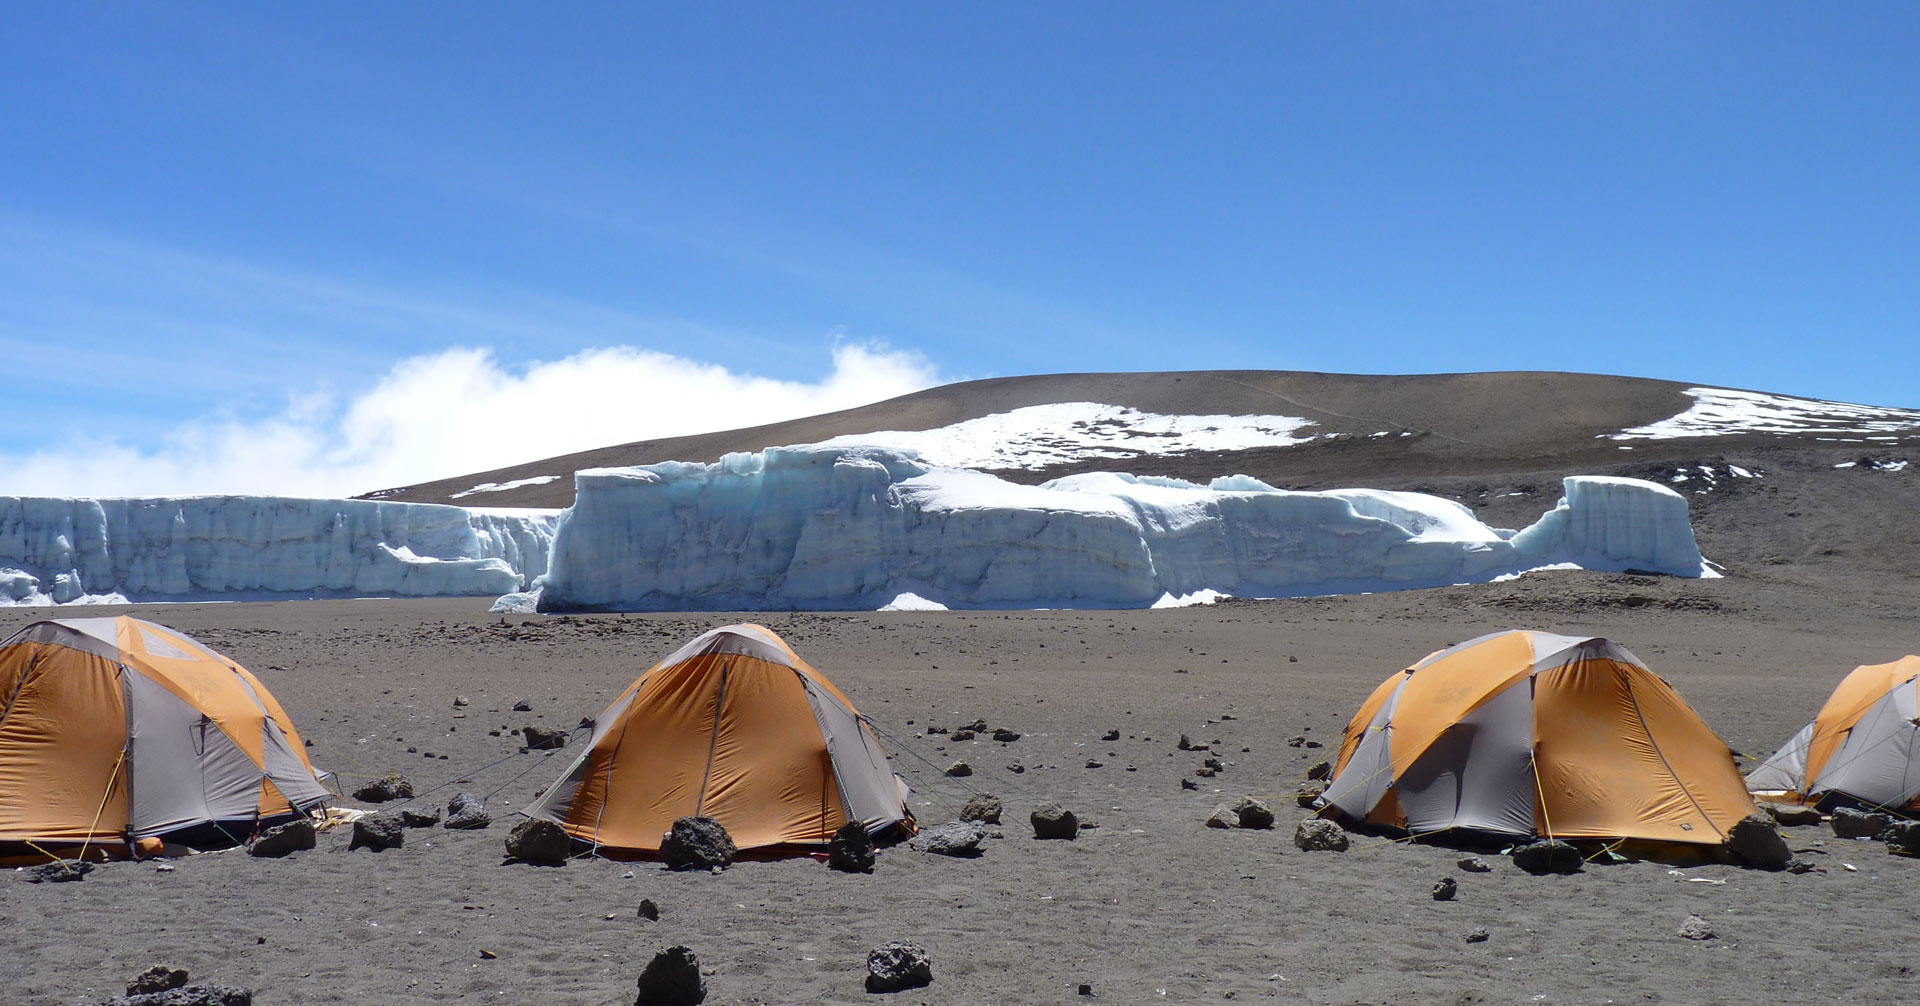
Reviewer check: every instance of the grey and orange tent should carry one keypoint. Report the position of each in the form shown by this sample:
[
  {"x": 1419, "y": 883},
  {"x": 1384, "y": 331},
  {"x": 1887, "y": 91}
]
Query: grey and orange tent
[
  {"x": 1863, "y": 747},
  {"x": 736, "y": 727},
  {"x": 1527, "y": 734},
  {"x": 116, "y": 733}
]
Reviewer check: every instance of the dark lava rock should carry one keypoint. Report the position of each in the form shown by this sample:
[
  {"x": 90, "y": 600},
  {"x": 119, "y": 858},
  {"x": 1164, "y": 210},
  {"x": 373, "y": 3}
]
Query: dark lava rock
[
  {"x": 158, "y": 978},
  {"x": 1253, "y": 813},
  {"x": 59, "y": 871},
  {"x": 1053, "y": 821},
  {"x": 697, "y": 843},
  {"x": 977, "y": 726},
  {"x": 419, "y": 818},
  {"x": 1445, "y": 889},
  {"x": 961, "y": 734},
  {"x": 959, "y": 768},
  {"x": 955, "y": 838},
  {"x": 393, "y": 787},
  {"x": 523, "y": 706},
  {"x": 1479, "y": 935},
  {"x": 672, "y": 978},
  {"x": 1756, "y": 840},
  {"x": 1005, "y": 736},
  {"x": 649, "y": 911},
  {"x": 1309, "y": 795},
  {"x": 898, "y": 966},
  {"x": 1205, "y": 772},
  {"x": 1851, "y": 823},
  {"x": 1111, "y": 735},
  {"x": 540, "y": 842},
  {"x": 1474, "y": 864},
  {"x": 1317, "y": 834},
  {"x": 1223, "y": 816},
  {"x": 1189, "y": 784},
  {"x": 851, "y": 849},
  {"x": 1294, "y": 742},
  {"x": 1548, "y": 856},
  {"x": 983, "y": 807},
  {"x": 1902, "y": 838},
  {"x": 189, "y": 995},
  {"x": 378, "y": 832},
  {"x": 542, "y": 739},
  {"x": 1321, "y": 770},
  {"x": 294, "y": 836},
  {"x": 1793, "y": 815},
  {"x": 466, "y": 812}
]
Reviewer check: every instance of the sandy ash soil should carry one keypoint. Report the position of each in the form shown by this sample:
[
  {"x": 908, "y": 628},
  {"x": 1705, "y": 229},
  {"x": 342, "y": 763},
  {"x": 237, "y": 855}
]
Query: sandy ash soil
[{"x": 1150, "y": 906}]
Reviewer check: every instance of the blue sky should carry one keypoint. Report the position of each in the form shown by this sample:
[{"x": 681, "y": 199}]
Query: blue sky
[{"x": 222, "y": 228}]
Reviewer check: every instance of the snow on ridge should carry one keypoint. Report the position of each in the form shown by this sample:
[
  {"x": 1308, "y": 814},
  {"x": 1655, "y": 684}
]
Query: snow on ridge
[
  {"x": 1040, "y": 436},
  {"x": 1720, "y": 412},
  {"x": 494, "y": 487},
  {"x": 863, "y": 528}
]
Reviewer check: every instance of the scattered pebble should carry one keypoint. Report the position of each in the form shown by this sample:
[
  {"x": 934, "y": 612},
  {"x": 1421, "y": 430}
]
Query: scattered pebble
[
  {"x": 1696, "y": 928},
  {"x": 1445, "y": 889},
  {"x": 896, "y": 966}
]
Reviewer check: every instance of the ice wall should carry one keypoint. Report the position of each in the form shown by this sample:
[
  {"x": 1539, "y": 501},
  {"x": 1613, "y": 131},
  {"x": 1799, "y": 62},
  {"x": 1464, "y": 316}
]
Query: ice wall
[
  {"x": 826, "y": 527},
  {"x": 216, "y": 547}
]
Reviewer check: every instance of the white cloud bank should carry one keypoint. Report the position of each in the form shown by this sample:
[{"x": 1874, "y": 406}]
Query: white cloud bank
[{"x": 458, "y": 411}]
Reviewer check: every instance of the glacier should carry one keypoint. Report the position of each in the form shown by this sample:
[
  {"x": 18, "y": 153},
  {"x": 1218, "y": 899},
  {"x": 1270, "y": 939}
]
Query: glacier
[
  {"x": 59, "y": 551},
  {"x": 846, "y": 527}
]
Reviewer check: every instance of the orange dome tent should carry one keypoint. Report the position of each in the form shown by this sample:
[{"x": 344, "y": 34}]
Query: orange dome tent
[
  {"x": 1532, "y": 734},
  {"x": 732, "y": 726},
  {"x": 1864, "y": 745},
  {"x": 115, "y": 730}
]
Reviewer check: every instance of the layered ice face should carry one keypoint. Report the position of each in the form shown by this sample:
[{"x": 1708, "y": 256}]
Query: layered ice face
[
  {"x": 860, "y": 527},
  {"x": 237, "y": 547}
]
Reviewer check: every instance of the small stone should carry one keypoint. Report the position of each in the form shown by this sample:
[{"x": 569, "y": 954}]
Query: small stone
[
  {"x": 1189, "y": 784},
  {"x": 1548, "y": 856},
  {"x": 898, "y": 966},
  {"x": 1902, "y": 838},
  {"x": 1205, "y": 772},
  {"x": 960, "y": 839},
  {"x": 959, "y": 768},
  {"x": 460, "y": 700},
  {"x": 851, "y": 849},
  {"x": 1312, "y": 744},
  {"x": 1223, "y": 816},
  {"x": 1215, "y": 764},
  {"x": 393, "y": 787},
  {"x": 672, "y": 978},
  {"x": 419, "y": 818},
  {"x": 1309, "y": 794},
  {"x": 296, "y": 835},
  {"x": 1084, "y": 989},
  {"x": 1111, "y": 735},
  {"x": 1095, "y": 764},
  {"x": 189, "y": 995},
  {"x": 1005, "y": 736},
  {"x": 523, "y": 706},
  {"x": 1054, "y": 821},
  {"x": 1851, "y": 823},
  {"x": 59, "y": 871},
  {"x": 542, "y": 739},
  {"x": 697, "y": 843},
  {"x": 158, "y": 978},
  {"x": 539, "y": 842},
  {"x": 1445, "y": 889},
  {"x": 1799, "y": 866},
  {"x": 1474, "y": 864},
  {"x": 1253, "y": 813},
  {"x": 649, "y": 911},
  {"x": 1317, "y": 834},
  {"x": 488, "y": 955},
  {"x": 983, "y": 807},
  {"x": 1017, "y": 769},
  {"x": 1321, "y": 770},
  {"x": 378, "y": 832},
  {"x": 1294, "y": 742},
  {"x": 1756, "y": 841},
  {"x": 1793, "y": 815},
  {"x": 977, "y": 726},
  {"x": 1696, "y": 928},
  {"x": 962, "y": 734},
  {"x": 1478, "y": 935}
]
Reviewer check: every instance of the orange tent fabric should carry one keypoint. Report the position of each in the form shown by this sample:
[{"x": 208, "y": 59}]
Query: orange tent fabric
[
  {"x": 732, "y": 726},
  {"x": 117, "y": 729},
  {"x": 1863, "y": 745},
  {"x": 1529, "y": 733}
]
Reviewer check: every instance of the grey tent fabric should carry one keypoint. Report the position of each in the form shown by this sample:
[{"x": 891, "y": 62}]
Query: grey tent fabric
[
  {"x": 1786, "y": 771},
  {"x": 873, "y": 795},
  {"x": 1477, "y": 775},
  {"x": 1876, "y": 762},
  {"x": 1369, "y": 772}
]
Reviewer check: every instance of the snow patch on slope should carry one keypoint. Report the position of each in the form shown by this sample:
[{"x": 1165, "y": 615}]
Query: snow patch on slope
[
  {"x": 822, "y": 527},
  {"x": 1719, "y": 412},
  {"x": 494, "y": 487},
  {"x": 1040, "y": 436}
]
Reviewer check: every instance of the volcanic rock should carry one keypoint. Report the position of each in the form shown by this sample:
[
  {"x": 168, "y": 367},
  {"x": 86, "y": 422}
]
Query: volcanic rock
[
  {"x": 540, "y": 842},
  {"x": 898, "y": 966},
  {"x": 697, "y": 843}
]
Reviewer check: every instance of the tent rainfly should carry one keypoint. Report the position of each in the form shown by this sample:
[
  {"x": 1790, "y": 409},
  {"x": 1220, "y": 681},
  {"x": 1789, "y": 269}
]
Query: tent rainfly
[
  {"x": 1862, "y": 748},
  {"x": 118, "y": 733},
  {"x": 736, "y": 727},
  {"x": 1527, "y": 734}
]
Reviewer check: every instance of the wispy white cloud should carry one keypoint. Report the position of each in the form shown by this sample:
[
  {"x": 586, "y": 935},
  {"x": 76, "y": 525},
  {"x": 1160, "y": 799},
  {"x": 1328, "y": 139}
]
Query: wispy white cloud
[{"x": 456, "y": 411}]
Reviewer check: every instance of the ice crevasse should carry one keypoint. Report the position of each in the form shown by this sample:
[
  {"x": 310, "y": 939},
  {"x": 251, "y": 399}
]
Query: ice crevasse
[
  {"x": 58, "y": 550},
  {"x": 835, "y": 527}
]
